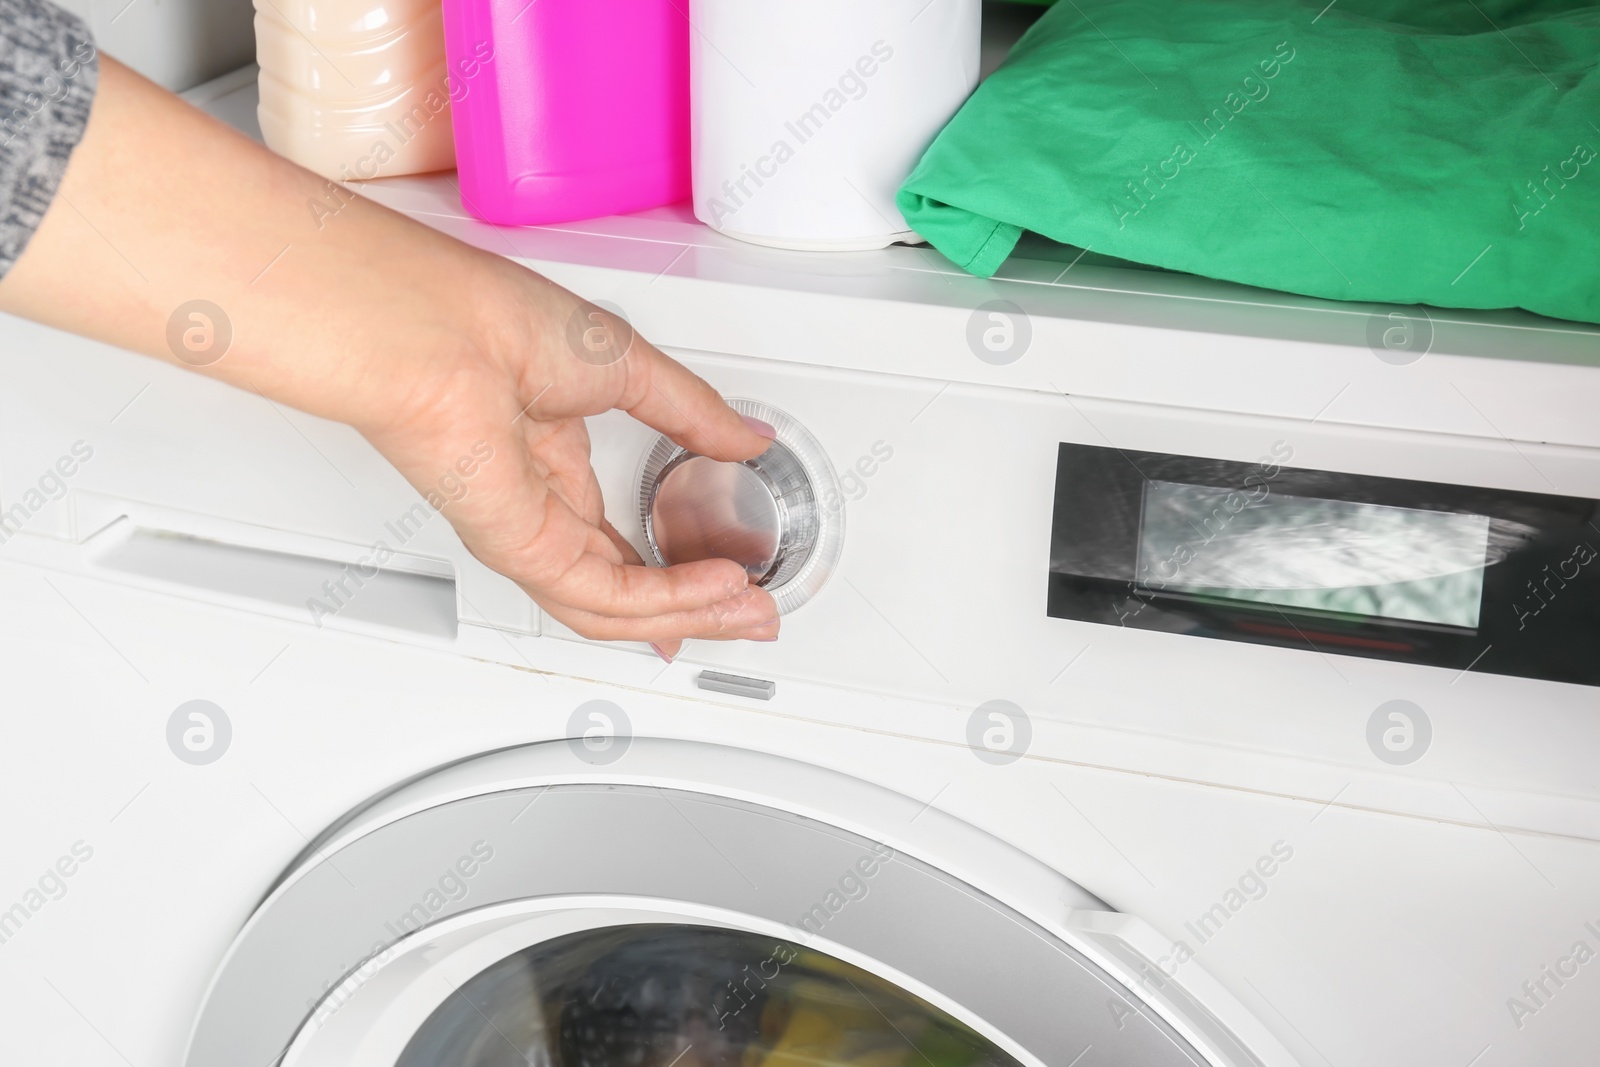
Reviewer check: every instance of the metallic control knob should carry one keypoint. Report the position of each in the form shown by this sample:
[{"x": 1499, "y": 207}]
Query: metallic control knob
[{"x": 778, "y": 515}]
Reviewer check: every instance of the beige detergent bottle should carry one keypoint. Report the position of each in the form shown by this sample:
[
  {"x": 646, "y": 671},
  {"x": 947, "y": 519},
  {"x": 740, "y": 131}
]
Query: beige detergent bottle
[{"x": 355, "y": 89}]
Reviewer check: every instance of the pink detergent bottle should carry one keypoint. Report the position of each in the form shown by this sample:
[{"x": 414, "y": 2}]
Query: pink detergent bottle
[{"x": 580, "y": 109}]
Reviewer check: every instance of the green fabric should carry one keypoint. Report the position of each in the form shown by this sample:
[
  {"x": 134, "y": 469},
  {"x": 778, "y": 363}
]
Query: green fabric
[{"x": 1410, "y": 151}]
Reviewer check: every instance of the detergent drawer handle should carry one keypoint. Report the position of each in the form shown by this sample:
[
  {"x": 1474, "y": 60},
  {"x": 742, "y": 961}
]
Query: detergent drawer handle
[{"x": 323, "y": 583}]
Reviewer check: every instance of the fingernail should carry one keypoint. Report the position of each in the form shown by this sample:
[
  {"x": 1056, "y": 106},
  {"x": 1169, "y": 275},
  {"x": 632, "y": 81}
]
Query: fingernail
[
  {"x": 762, "y": 428},
  {"x": 658, "y": 650}
]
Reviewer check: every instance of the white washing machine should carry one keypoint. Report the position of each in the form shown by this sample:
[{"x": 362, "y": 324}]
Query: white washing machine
[{"x": 1207, "y": 676}]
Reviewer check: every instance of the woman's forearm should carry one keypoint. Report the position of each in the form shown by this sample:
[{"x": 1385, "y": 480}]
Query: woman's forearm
[
  {"x": 433, "y": 349},
  {"x": 164, "y": 206}
]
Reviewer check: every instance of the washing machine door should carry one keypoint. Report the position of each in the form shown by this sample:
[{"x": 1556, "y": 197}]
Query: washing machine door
[
  {"x": 668, "y": 993},
  {"x": 535, "y": 907}
]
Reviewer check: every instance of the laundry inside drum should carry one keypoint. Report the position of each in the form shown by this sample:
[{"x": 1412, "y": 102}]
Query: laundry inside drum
[{"x": 677, "y": 995}]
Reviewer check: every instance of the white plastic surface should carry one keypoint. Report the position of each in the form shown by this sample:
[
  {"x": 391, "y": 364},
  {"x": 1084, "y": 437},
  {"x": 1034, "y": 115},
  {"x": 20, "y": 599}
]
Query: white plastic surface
[
  {"x": 411, "y": 594},
  {"x": 1354, "y": 952},
  {"x": 1143, "y": 336},
  {"x": 1419, "y": 899},
  {"x": 1124, "y": 946},
  {"x": 940, "y": 590}
]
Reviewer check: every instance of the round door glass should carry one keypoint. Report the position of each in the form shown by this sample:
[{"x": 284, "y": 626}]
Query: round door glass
[{"x": 670, "y": 995}]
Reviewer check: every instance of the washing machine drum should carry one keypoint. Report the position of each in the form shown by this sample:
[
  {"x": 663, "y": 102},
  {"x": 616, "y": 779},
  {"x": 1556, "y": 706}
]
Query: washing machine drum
[
  {"x": 506, "y": 913},
  {"x": 654, "y": 995}
]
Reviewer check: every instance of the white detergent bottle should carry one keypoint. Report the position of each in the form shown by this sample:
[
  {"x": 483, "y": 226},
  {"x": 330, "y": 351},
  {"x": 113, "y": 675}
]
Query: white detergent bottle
[
  {"x": 355, "y": 89},
  {"x": 807, "y": 115}
]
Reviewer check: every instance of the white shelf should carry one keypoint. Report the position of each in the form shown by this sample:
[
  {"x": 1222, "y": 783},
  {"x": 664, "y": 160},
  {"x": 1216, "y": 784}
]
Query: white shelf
[{"x": 1137, "y": 335}]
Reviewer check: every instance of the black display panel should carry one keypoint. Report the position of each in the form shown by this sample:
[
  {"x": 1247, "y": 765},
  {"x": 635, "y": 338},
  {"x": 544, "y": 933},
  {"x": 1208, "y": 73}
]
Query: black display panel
[{"x": 1423, "y": 572}]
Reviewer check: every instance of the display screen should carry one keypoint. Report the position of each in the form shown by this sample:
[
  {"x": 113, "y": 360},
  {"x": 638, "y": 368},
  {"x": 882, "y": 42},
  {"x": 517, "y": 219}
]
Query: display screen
[
  {"x": 1463, "y": 577},
  {"x": 1336, "y": 556}
]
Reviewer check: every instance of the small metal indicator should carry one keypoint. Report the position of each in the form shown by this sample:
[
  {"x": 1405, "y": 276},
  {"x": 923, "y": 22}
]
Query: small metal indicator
[{"x": 736, "y": 685}]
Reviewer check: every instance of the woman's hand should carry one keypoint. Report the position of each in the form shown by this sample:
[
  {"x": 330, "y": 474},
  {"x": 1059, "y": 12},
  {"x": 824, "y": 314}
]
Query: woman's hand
[
  {"x": 534, "y": 512},
  {"x": 427, "y": 346}
]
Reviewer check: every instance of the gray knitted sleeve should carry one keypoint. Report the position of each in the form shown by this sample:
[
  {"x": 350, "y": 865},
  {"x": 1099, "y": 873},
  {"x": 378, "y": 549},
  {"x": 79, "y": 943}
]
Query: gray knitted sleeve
[{"x": 48, "y": 72}]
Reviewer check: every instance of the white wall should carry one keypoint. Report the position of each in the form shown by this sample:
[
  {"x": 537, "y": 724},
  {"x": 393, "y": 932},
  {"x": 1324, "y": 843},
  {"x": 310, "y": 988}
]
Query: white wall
[{"x": 179, "y": 43}]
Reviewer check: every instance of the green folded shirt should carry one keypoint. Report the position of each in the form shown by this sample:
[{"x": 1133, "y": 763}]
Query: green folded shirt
[{"x": 1431, "y": 152}]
